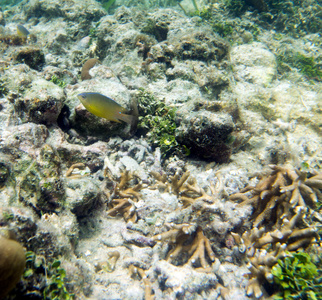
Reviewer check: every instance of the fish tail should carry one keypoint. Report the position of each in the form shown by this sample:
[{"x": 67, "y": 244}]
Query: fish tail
[{"x": 125, "y": 118}]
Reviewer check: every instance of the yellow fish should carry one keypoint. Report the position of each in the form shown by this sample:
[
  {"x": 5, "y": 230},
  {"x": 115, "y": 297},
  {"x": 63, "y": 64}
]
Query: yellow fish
[
  {"x": 104, "y": 107},
  {"x": 22, "y": 31}
]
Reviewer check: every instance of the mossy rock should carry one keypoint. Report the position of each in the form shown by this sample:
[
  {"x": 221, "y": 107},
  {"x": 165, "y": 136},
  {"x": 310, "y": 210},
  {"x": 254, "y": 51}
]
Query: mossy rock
[{"x": 32, "y": 57}]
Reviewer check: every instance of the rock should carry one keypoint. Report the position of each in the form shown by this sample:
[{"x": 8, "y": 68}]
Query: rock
[
  {"x": 253, "y": 63},
  {"x": 206, "y": 134},
  {"x": 2, "y": 19},
  {"x": 182, "y": 280},
  {"x": 41, "y": 104},
  {"x": 70, "y": 10},
  {"x": 83, "y": 195},
  {"x": 33, "y": 57},
  {"x": 4, "y": 173},
  {"x": 55, "y": 235}
]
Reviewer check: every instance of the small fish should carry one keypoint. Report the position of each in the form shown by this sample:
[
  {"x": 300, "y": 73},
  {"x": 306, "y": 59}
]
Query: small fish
[
  {"x": 22, "y": 31},
  {"x": 104, "y": 107}
]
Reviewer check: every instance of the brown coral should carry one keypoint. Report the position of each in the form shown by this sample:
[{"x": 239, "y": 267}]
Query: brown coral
[
  {"x": 123, "y": 198},
  {"x": 281, "y": 201},
  {"x": 90, "y": 63},
  {"x": 274, "y": 197},
  {"x": 197, "y": 249}
]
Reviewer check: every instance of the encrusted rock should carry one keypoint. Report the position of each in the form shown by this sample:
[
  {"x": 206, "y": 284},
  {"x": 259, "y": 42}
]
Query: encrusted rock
[
  {"x": 253, "y": 63},
  {"x": 89, "y": 9},
  {"x": 41, "y": 104},
  {"x": 83, "y": 195},
  {"x": 33, "y": 57},
  {"x": 206, "y": 134},
  {"x": 182, "y": 279}
]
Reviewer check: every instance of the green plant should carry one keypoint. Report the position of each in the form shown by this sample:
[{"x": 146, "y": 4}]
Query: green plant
[
  {"x": 56, "y": 288},
  {"x": 223, "y": 28},
  {"x": 236, "y": 7},
  {"x": 297, "y": 277},
  {"x": 3, "y": 88},
  {"x": 32, "y": 264},
  {"x": 35, "y": 271},
  {"x": 7, "y": 216},
  {"x": 307, "y": 65},
  {"x": 157, "y": 121},
  {"x": 54, "y": 79}
]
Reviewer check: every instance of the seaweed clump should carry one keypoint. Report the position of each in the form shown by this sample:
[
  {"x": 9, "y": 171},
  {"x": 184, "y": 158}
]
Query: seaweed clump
[
  {"x": 295, "y": 17},
  {"x": 157, "y": 122},
  {"x": 298, "y": 277}
]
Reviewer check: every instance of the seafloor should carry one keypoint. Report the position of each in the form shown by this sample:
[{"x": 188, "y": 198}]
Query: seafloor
[{"x": 218, "y": 178}]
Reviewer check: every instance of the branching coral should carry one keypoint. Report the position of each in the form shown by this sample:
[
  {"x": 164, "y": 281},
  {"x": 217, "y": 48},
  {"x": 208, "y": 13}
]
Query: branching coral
[
  {"x": 281, "y": 201},
  {"x": 137, "y": 271},
  {"x": 277, "y": 194},
  {"x": 124, "y": 197},
  {"x": 73, "y": 171},
  {"x": 197, "y": 249},
  {"x": 183, "y": 187}
]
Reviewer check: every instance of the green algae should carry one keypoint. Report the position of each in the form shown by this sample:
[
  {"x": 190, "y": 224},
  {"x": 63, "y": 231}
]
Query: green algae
[
  {"x": 297, "y": 277},
  {"x": 309, "y": 66},
  {"x": 61, "y": 83},
  {"x": 157, "y": 122}
]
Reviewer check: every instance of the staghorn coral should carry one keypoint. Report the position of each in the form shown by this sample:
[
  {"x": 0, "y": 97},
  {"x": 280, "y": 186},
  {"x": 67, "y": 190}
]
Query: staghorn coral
[
  {"x": 110, "y": 263},
  {"x": 123, "y": 198},
  {"x": 277, "y": 194},
  {"x": 282, "y": 201},
  {"x": 140, "y": 272},
  {"x": 74, "y": 170},
  {"x": 197, "y": 249}
]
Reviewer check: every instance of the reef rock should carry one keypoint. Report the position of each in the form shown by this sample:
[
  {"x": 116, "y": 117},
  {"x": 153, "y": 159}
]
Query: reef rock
[
  {"x": 41, "y": 104},
  {"x": 206, "y": 134},
  {"x": 253, "y": 63}
]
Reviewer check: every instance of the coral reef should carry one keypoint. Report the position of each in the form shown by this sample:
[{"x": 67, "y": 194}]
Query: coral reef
[{"x": 185, "y": 206}]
